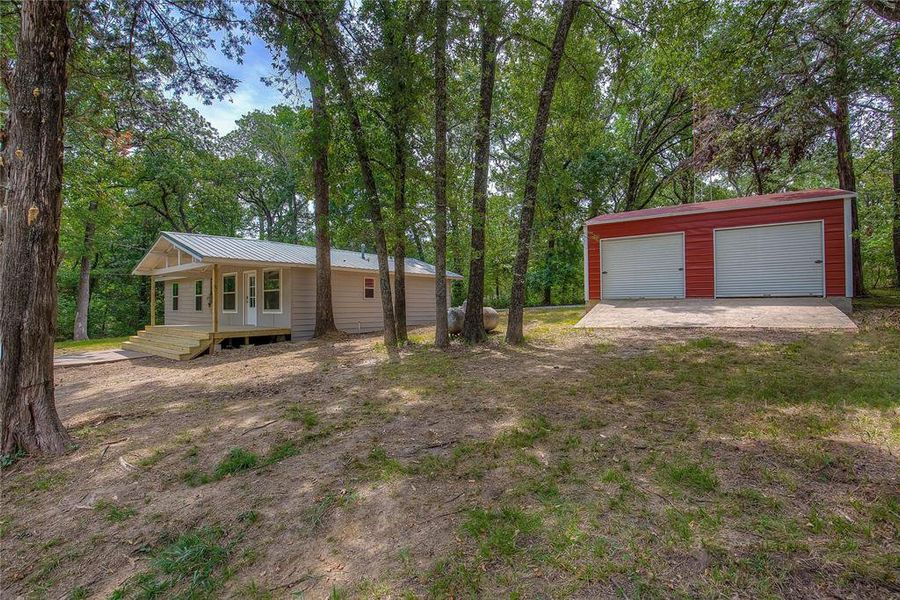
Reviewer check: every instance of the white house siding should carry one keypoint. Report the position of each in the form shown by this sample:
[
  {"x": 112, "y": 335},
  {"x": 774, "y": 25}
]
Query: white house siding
[
  {"x": 303, "y": 303},
  {"x": 186, "y": 315},
  {"x": 353, "y": 312}
]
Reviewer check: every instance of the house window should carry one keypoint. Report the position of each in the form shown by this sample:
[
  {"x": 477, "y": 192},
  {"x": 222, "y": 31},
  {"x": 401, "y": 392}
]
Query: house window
[
  {"x": 369, "y": 288},
  {"x": 174, "y": 296},
  {"x": 198, "y": 294},
  {"x": 229, "y": 292},
  {"x": 272, "y": 291}
]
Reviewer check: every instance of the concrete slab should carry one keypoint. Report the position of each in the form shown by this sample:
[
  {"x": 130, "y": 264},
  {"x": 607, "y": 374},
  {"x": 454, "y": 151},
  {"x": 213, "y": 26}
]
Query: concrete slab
[
  {"x": 97, "y": 357},
  {"x": 762, "y": 313}
]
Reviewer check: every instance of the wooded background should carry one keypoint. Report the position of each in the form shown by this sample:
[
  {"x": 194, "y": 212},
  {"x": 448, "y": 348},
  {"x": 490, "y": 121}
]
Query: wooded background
[{"x": 656, "y": 103}]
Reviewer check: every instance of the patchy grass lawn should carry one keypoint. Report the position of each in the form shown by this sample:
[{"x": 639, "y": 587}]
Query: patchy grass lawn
[
  {"x": 649, "y": 464},
  {"x": 70, "y": 346}
]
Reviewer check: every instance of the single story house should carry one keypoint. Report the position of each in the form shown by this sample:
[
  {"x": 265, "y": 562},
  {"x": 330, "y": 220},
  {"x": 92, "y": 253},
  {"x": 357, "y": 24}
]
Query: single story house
[
  {"x": 773, "y": 245},
  {"x": 218, "y": 288}
]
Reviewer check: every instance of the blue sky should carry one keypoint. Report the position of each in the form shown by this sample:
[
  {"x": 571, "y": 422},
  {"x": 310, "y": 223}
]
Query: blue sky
[{"x": 251, "y": 93}]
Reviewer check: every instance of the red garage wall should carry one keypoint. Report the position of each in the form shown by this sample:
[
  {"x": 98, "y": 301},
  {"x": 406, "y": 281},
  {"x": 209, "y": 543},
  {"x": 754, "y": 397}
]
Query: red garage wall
[{"x": 698, "y": 240}]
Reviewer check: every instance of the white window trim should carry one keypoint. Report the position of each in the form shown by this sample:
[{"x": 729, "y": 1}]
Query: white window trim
[
  {"x": 230, "y": 312},
  {"x": 200, "y": 295},
  {"x": 373, "y": 288},
  {"x": 280, "y": 292},
  {"x": 176, "y": 287}
]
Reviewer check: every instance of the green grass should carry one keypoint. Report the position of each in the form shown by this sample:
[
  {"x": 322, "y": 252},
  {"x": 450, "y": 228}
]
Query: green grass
[
  {"x": 315, "y": 516},
  {"x": 378, "y": 466},
  {"x": 239, "y": 460},
  {"x": 236, "y": 461},
  {"x": 70, "y": 346},
  {"x": 79, "y": 593},
  {"x": 500, "y": 532},
  {"x": 879, "y": 298},
  {"x": 113, "y": 512},
  {"x": 194, "y": 565},
  {"x": 153, "y": 458},
  {"x": 690, "y": 476},
  {"x": 696, "y": 466},
  {"x": 295, "y": 412}
]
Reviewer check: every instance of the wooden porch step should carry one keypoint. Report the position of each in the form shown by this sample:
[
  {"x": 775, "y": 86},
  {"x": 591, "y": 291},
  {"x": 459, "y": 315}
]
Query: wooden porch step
[
  {"x": 167, "y": 343},
  {"x": 175, "y": 341},
  {"x": 155, "y": 350},
  {"x": 196, "y": 334}
]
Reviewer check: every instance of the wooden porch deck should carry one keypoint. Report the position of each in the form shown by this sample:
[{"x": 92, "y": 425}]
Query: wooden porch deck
[{"x": 184, "y": 342}]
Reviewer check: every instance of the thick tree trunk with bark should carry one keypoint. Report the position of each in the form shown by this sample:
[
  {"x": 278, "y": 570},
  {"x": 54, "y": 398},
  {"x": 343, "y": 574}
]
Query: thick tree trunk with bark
[
  {"x": 895, "y": 162},
  {"x": 83, "y": 299},
  {"x": 441, "y": 337},
  {"x": 514, "y": 333},
  {"x": 335, "y": 56},
  {"x": 400, "y": 229},
  {"x": 320, "y": 142},
  {"x": 33, "y": 160},
  {"x": 843, "y": 140},
  {"x": 473, "y": 327},
  {"x": 847, "y": 181}
]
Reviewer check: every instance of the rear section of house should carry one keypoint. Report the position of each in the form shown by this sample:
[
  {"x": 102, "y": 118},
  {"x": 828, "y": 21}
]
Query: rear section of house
[{"x": 793, "y": 244}]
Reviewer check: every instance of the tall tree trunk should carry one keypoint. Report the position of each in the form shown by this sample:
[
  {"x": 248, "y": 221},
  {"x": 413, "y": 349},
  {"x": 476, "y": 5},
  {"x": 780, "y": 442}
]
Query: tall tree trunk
[
  {"x": 895, "y": 178},
  {"x": 33, "y": 159},
  {"x": 843, "y": 140},
  {"x": 441, "y": 337},
  {"x": 455, "y": 233},
  {"x": 514, "y": 333},
  {"x": 473, "y": 326},
  {"x": 400, "y": 228},
  {"x": 83, "y": 299},
  {"x": 314, "y": 17},
  {"x": 847, "y": 181},
  {"x": 320, "y": 142},
  {"x": 895, "y": 162}
]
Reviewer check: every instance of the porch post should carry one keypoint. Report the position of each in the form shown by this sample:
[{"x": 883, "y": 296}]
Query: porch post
[
  {"x": 215, "y": 307},
  {"x": 152, "y": 301}
]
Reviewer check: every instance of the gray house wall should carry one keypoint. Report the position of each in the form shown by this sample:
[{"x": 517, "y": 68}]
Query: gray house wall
[
  {"x": 353, "y": 312},
  {"x": 186, "y": 315}
]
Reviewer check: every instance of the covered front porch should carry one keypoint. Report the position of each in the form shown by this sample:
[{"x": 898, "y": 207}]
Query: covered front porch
[
  {"x": 198, "y": 304},
  {"x": 184, "y": 342}
]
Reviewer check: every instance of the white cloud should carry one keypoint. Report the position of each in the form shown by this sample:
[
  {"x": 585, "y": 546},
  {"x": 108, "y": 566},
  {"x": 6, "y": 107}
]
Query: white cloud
[{"x": 251, "y": 94}]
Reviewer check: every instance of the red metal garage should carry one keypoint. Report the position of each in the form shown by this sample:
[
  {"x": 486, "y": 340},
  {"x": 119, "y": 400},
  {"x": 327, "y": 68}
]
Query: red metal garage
[{"x": 788, "y": 244}]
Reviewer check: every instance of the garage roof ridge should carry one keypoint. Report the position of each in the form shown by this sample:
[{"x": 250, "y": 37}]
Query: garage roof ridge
[{"x": 741, "y": 203}]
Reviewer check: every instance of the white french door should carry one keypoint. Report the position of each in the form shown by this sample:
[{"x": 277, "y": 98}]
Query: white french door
[{"x": 250, "y": 298}]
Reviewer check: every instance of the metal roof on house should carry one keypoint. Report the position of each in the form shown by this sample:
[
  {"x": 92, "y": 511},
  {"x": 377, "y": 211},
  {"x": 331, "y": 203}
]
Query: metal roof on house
[
  {"x": 221, "y": 249},
  {"x": 745, "y": 202}
]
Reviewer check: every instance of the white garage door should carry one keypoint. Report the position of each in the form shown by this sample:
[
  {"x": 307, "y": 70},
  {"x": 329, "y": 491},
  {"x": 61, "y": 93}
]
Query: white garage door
[
  {"x": 643, "y": 267},
  {"x": 776, "y": 260}
]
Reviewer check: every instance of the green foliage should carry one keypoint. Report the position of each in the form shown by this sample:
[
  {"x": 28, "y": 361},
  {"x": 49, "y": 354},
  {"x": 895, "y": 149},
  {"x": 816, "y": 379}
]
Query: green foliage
[{"x": 657, "y": 103}]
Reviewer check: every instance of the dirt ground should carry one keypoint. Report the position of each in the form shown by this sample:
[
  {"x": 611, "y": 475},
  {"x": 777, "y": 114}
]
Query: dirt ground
[{"x": 631, "y": 463}]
